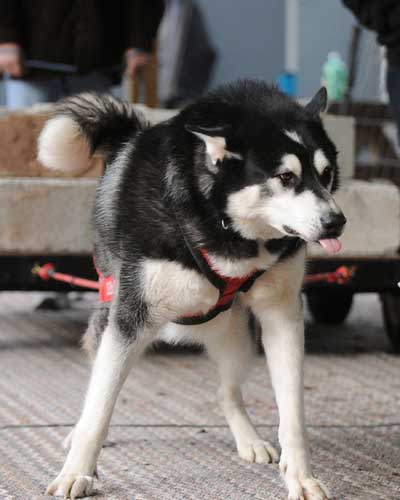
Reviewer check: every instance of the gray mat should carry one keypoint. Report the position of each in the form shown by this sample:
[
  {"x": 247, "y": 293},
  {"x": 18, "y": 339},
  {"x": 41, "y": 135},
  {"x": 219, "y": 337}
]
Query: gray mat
[{"x": 168, "y": 439}]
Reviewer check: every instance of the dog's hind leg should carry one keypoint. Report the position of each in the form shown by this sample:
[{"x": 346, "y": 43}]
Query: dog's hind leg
[
  {"x": 97, "y": 324},
  {"x": 123, "y": 339},
  {"x": 90, "y": 343},
  {"x": 231, "y": 347}
]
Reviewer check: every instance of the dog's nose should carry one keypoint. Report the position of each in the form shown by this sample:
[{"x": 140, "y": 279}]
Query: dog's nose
[{"x": 333, "y": 221}]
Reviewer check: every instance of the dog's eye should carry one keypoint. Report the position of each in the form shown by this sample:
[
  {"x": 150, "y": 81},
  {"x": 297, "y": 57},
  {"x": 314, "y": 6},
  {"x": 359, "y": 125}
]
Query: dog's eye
[
  {"x": 286, "y": 178},
  {"x": 326, "y": 176}
]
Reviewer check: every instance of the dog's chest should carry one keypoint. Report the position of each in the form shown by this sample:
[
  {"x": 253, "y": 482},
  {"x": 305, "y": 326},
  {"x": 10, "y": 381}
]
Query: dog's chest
[
  {"x": 174, "y": 291},
  {"x": 242, "y": 267}
]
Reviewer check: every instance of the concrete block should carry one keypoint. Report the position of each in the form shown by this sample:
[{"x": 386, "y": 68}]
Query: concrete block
[
  {"x": 46, "y": 216},
  {"x": 52, "y": 216}
]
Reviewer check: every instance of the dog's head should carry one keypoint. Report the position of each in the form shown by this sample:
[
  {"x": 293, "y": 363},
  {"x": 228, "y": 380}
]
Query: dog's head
[{"x": 272, "y": 170}]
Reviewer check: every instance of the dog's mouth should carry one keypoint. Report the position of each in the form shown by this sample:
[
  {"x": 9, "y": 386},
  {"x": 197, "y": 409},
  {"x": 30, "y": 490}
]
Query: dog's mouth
[{"x": 330, "y": 245}]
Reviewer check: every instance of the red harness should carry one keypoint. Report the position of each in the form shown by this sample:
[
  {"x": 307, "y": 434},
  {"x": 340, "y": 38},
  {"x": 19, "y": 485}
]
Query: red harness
[
  {"x": 227, "y": 287},
  {"x": 106, "y": 287}
]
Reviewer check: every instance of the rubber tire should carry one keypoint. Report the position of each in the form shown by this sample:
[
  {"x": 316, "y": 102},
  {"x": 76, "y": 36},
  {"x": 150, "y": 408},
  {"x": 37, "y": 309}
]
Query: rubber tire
[
  {"x": 330, "y": 307},
  {"x": 391, "y": 316}
]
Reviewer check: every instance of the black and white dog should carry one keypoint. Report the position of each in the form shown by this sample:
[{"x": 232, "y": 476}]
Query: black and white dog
[{"x": 198, "y": 220}]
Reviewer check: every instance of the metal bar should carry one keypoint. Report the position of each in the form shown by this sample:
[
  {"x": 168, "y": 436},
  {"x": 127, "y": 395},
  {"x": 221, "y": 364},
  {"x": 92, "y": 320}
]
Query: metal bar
[
  {"x": 15, "y": 272},
  {"x": 371, "y": 276},
  {"x": 292, "y": 36}
]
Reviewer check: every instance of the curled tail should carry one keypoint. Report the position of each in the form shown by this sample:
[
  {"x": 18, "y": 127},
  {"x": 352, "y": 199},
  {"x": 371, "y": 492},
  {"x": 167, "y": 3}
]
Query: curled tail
[{"x": 83, "y": 125}]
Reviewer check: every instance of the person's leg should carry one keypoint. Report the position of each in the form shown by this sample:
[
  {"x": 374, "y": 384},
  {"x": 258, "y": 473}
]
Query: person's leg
[
  {"x": 393, "y": 87},
  {"x": 26, "y": 92}
]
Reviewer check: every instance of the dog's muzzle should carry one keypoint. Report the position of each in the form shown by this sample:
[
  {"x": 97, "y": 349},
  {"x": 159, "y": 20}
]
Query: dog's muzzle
[{"x": 332, "y": 224}]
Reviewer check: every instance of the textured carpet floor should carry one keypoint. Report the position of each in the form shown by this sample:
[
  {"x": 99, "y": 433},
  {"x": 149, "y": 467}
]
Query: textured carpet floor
[{"x": 168, "y": 440}]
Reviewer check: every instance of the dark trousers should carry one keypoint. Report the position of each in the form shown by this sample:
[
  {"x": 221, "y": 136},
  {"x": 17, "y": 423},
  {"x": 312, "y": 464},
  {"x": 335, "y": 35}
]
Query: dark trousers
[{"x": 393, "y": 87}]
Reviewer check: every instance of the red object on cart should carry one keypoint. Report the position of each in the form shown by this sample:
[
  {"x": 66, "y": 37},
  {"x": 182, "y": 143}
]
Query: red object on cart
[
  {"x": 105, "y": 285},
  {"x": 48, "y": 271},
  {"x": 341, "y": 276}
]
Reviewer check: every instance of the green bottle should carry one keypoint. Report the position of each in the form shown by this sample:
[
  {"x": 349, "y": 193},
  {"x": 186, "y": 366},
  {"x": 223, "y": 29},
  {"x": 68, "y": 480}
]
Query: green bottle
[{"x": 335, "y": 76}]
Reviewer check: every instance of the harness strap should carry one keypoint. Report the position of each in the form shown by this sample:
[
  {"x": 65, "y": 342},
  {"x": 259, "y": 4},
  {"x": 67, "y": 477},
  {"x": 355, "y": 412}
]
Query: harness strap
[
  {"x": 228, "y": 287},
  {"x": 106, "y": 287}
]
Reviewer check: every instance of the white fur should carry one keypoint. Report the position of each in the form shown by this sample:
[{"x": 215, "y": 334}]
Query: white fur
[
  {"x": 320, "y": 161},
  {"x": 108, "y": 190},
  {"x": 206, "y": 183},
  {"x": 256, "y": 214},
  {"x": 174, "y": 183},
  {"x": 232, "y": 350},
  {"x": 290, "y": 163},
  {"x": 170, "y": 175},
  {"x": 111, "y": 366},
  {"x": 61, "y": 146},
  {"x": 229, "y": 344},
  {"x": 216, "y": 147},
  {"x": 275, "y": 299},
  {"x": 302, "y": 212},
  {"x": 243, "y": 267},
  {"x": 244, "y": 209},
  {"x": 172, "y": 291},
  {"x": 294, "y": 136}
]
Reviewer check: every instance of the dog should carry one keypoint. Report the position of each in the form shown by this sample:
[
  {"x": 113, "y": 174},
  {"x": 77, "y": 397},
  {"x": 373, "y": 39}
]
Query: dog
[{"x": 197, "y": 221}]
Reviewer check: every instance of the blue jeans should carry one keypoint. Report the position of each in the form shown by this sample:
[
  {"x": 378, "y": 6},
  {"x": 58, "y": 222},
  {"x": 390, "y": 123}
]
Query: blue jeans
[
  {"x": 393, "y": 88},
  {"x": 28, "y": 91}
]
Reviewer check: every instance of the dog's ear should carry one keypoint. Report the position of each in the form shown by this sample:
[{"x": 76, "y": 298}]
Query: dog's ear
[
  {"x": 318, "y": 103},
  {"x": 215, "y": 139}
]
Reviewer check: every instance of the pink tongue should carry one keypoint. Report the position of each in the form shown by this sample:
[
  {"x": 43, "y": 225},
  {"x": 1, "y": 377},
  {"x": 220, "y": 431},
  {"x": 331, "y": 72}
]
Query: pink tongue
[{"x": 331, "y": 245}]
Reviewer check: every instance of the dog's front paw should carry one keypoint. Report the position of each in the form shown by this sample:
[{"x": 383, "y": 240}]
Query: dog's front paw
[
  {"x": 71, "y": 486},
  {"x": 302, "y": 486},
  {"x": 296, "y": 471},
  {"x": 306, "y": 488},
  {"x": 258, "y": 451}
]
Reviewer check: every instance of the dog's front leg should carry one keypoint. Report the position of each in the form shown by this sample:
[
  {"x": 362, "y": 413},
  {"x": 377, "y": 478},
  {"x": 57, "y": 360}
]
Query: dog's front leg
[
  {"x": 110, "y": 369},
  {"x": 283, "y": 339},
  {"x": 228, "y": 342}
]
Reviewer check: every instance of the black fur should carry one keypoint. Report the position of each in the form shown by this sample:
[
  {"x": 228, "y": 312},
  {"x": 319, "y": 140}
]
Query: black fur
[
  {"x": 212, "y": 180},
  {"x": 105, "y": 122},
  {"x": 151, "y": 190}
]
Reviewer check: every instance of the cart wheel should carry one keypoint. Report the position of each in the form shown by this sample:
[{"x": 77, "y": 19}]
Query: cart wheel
[
  {"x": 391, "y": 316},
  {"x": 329, "y": 306}
]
